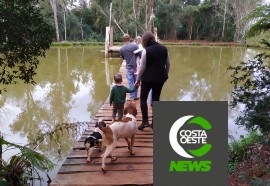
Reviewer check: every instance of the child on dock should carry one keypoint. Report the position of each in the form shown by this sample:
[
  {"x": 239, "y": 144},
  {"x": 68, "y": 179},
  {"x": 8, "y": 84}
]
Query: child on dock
[
  {"x": 138, "y": 41},
  {"x": 118, "y": 96}
]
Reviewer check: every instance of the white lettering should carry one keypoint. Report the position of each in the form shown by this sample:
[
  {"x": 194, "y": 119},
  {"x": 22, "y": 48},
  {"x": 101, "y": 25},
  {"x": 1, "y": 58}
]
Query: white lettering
[{"x": 193, "y": 136}]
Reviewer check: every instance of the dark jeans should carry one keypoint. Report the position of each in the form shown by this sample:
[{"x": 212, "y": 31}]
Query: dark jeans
[
  {"x": 118, "y": 108},
  {"x": 145, "y": 89}
]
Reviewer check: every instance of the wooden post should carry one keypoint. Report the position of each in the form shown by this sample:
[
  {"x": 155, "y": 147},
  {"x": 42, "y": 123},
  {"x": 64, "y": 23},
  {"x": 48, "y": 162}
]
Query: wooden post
[
  {"x": 107, "y": 71},
  {"x": 107, "y": 41},
  {"x": 108, "y": 37},
  {"x": 110, "y": 15},
  {"x": 111, "y": 37}
]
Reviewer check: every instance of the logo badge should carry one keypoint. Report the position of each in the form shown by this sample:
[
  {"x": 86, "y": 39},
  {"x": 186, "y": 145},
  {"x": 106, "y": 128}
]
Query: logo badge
[
  {"x": 190, "y": 143},
  {"x": 190, "y": 136}
]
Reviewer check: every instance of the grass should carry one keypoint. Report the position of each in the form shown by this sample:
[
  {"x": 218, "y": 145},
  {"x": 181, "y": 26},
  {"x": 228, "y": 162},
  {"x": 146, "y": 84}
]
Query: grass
[
  {"x": 167, "y": 42},
  {"x": 252, "y": 42},
  {"x": 80, "y": 43},
  {"x": 255, "y": 41},
  {"x": 200, "y": 43}
]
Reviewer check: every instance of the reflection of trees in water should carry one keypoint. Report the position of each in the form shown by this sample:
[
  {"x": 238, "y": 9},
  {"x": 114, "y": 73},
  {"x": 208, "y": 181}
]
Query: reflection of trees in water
[
  {"x": 197, "y": 91},
  {"x": 50, "y": 102},
  {"x": 201, "y": 73}
]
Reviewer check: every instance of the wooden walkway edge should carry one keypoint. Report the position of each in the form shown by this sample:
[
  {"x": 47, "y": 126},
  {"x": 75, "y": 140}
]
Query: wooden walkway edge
[{"x": 127, "y": 170}]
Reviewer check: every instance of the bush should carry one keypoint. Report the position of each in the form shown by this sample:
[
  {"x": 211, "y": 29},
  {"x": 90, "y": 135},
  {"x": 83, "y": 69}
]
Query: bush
[
  {"x": 251, "y": 82},
  {"x": 255, "y": 41},
  {"x": 21, "y": 167},
  {"x": 237, "y": 149}
]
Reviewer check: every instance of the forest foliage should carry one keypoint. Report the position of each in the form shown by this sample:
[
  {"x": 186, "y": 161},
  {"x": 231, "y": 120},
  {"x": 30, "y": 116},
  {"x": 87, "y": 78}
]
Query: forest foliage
[{"x": 210, "y": 20}]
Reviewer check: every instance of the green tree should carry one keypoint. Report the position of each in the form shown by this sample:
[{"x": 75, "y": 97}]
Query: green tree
[
  {"x": 251, "y": 82},
  {"x": 24, "y": 36},
  {"x": 189, "y": 15},
  {"x": 240, "y": 9},
  {"x": 168, "y": 10},
  {"x": 259, "y": 19}
]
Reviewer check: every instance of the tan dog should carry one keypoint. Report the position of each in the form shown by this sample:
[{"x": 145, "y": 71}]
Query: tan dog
[{"x": 126, "y": 128}]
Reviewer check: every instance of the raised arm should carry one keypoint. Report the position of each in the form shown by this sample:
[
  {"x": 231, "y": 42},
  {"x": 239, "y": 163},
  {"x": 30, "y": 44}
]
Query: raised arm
[
  {"x": 143, "y": 65},
  {"x": 112, "y": 96}
]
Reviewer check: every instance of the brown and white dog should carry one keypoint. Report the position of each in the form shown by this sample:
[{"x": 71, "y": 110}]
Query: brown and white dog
[
  {"x": 126, "y": 128},
  {"x": 93, "y": 141}
]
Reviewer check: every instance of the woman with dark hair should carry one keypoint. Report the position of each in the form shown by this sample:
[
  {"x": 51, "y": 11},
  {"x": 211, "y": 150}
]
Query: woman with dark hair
[{"x": 154, "y": 70}]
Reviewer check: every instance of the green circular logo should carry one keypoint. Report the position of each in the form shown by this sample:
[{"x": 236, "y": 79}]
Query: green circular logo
[{"x": 190, "y": 136}]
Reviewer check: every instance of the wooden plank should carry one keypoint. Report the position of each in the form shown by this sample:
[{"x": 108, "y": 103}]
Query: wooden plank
[
  {"x": 139, "y": 136},
  {"x": 109, "y": 115},
  {"x": 114, "y": 48},
  {"x": 140, "y": 140},
  {"x": 108, "y": 119},
  {"x": 119, "y": 152},
  {"x": 112, "y": 166},
  {"x": 80, "y": 145},
  {"x": 140, "y": 177},
  {"x": 133, "y": 159},
  {"x": 139, "y": 132}
]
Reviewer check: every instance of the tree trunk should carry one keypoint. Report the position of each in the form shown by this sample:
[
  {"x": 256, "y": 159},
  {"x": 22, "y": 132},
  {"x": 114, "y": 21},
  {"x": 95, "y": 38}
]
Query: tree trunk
[
  {"x": 224, "y": 18},
  {"x": 190, "y": 35},
  {"x": 138, "y": 8},
  {"x": 135, "y": 18},
  {"x": 148, "y": 15},
  {"x": 197, "y": 32},
  {"x": 213, "y": 27},
  {"x": 54, "y": 8},
  {"x": 240, "y": 9},
  {"x": 190, "y": 27},
  {"x": 65, "y": 24},
  {"x": 82, "y": 28}
]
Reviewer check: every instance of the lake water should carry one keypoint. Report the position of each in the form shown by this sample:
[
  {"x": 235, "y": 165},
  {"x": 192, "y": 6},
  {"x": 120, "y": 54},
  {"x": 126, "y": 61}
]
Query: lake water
[{"x": 72, "y": 84}]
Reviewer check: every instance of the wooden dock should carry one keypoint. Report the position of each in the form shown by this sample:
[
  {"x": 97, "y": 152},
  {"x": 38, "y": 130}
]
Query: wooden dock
[
  {"x": 114, "y": 48},
  {"x": 127, "y": 170}
]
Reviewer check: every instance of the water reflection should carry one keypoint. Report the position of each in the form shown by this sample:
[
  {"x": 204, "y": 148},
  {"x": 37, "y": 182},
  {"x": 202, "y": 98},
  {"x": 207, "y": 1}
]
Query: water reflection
[
  {"x": 70, "y": 87},
  {"x": 72, "y": 84},
  {"x": 200, "y": 74}
]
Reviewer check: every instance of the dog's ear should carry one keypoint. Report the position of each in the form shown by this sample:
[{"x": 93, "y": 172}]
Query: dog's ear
[
  {"x": 96, "y": 124},
  {"x": 103, "y": 123},
  {"x": 135, "y": 111},
  {"x": 125, "y": 110}
]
